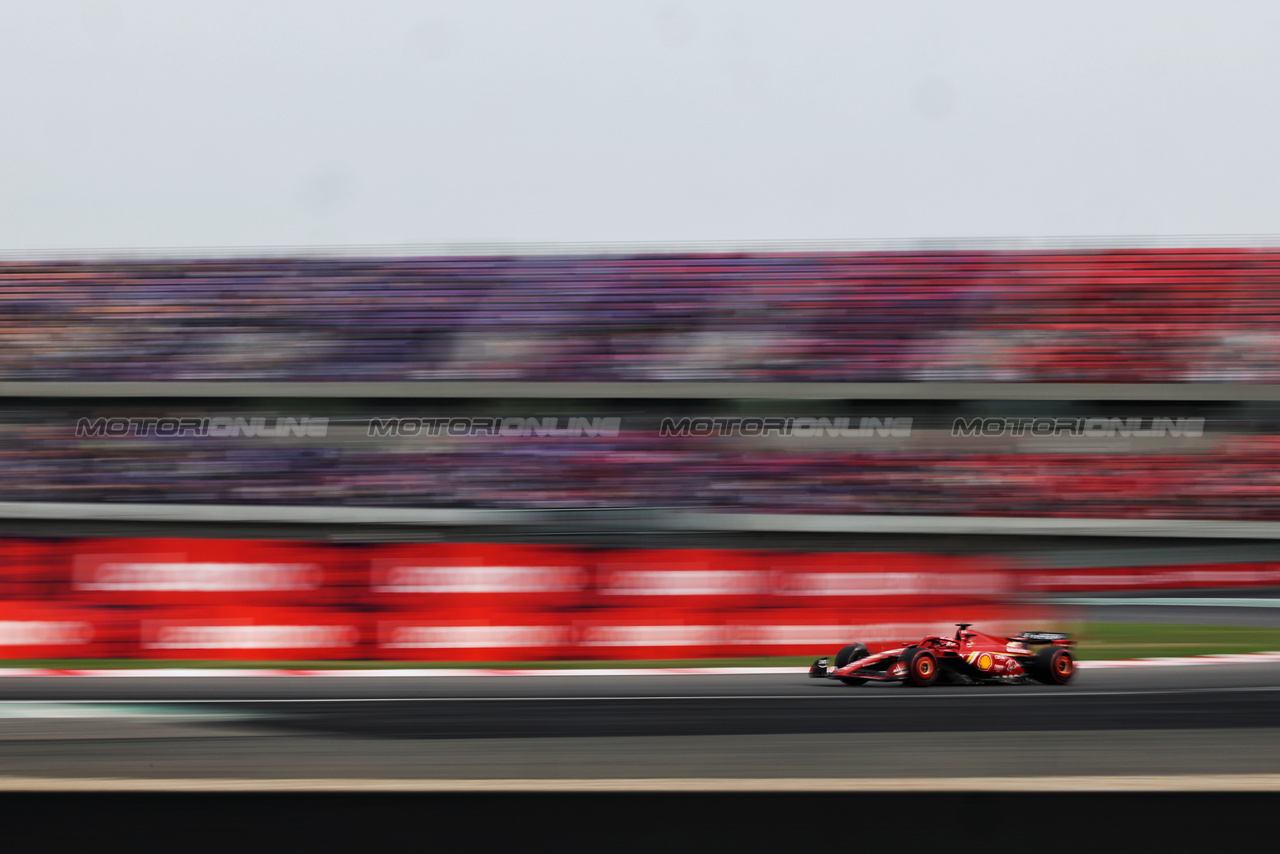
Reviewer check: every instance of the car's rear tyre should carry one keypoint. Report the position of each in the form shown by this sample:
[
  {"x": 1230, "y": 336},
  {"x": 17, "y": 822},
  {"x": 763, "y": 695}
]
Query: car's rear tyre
[
  {"x": 852, "y": 652},
  {"x": 922, "y": 668},
  {"x": 1054, "y": 666}
]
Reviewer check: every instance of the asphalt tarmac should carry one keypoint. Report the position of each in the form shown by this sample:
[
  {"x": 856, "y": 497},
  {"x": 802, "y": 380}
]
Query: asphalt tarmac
[{"x": 1190, "y": 720}]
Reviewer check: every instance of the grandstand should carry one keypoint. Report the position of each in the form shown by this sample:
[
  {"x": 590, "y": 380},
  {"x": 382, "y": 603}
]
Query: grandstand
[
  {"x": 1099, "y": 316},
  {"x": 956, "y": 332}
]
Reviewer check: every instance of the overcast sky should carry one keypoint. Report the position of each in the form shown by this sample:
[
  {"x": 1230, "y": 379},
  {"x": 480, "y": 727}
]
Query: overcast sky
[{"x": 172, "y": 124}]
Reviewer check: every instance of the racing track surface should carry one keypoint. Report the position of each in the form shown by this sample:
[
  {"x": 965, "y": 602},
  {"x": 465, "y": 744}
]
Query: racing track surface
[{"x": 1189, "y": 720}]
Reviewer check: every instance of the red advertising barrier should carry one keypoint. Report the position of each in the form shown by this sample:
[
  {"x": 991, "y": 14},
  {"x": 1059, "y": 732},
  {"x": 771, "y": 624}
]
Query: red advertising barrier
[
  {"x": 32, "y": 570},
  {"x": 279, "y": 633},
  {"x": 408, "y": 636},
  {"x": 474, "y": 580},
  {"x": 676, "y": 581},
  {"x": 211, "y": 572},
  {"x": 249, "y": 599},
  {"x": 886, "y": 579},
  {"x": 1190, "y": 576},
  {"x": 56, "y": 630}
]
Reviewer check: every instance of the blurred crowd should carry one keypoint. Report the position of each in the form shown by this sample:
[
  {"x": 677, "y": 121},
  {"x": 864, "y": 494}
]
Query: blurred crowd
[
  {"x": 1231, "y": 477},
  {"x": 1104, "y": 316}
]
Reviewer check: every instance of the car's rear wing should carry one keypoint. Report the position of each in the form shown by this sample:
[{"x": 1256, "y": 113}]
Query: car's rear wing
[{"x": 1042, "y": 637}]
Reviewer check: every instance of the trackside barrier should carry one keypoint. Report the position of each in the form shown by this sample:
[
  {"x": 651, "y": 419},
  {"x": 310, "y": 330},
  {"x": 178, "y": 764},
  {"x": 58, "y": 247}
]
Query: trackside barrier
[
  {"x": 1104, "y": 579},
  {"x": 281, "y": 600}
]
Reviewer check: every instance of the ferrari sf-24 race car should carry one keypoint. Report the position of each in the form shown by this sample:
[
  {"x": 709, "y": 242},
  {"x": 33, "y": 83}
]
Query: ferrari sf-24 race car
[{"x": 967, "y": 658}]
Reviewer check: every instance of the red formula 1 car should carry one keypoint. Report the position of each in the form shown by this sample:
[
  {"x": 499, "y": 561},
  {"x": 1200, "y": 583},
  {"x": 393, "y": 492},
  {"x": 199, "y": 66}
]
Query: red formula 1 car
[{"x": 967, "y": 658}]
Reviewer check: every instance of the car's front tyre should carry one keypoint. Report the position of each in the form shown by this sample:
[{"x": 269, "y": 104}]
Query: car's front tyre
[
  {"x": 852, "y": 652},
  {"x": 922, "y": 668}
]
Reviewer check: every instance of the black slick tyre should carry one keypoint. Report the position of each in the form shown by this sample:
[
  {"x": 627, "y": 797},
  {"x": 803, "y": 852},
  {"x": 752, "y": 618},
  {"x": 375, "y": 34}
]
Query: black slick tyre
[
  {"x": 1054, "y": 666},
  {"x": 922, "y": 668},
  {"x": 852, "y": 652}
]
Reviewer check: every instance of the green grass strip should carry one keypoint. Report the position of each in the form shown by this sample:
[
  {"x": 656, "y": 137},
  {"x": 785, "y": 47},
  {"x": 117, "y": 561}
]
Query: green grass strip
[{"x": 1110, "y": 641}]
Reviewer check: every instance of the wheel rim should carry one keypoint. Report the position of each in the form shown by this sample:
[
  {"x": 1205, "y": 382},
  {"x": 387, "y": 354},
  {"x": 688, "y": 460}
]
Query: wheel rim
[
  {"x": 924, "y": 667},
  {"x": 1063, "y": 665}
]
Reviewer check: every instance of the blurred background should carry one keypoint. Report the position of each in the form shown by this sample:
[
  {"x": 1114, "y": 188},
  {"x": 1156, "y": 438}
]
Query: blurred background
[
  {"x": 518, "y": 397},
  {"x": 986, "y": 295},
  {"x": 636, "y": 455}
]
